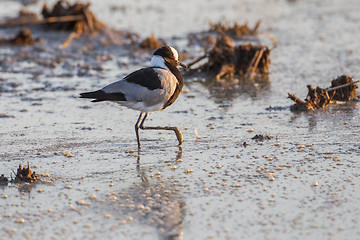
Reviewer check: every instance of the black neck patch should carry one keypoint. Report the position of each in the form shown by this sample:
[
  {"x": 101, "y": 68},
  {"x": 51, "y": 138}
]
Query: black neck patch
[
  {"x": 176, "y": 72},
  {"x": 179, "y": 86}
]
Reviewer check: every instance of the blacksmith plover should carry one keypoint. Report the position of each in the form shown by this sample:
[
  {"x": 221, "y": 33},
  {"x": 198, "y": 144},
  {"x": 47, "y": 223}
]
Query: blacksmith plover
[{"x": 147, "y": 90}]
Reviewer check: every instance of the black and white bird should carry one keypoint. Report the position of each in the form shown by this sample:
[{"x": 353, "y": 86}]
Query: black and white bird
[{"x": 147, "y": 90}]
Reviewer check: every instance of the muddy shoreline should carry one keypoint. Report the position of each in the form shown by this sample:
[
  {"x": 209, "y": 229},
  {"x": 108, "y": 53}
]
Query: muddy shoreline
[{"x": 300, "y": 182}]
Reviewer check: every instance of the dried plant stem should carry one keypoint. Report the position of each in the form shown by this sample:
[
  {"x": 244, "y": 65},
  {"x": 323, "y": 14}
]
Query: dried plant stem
[
  {"x": 21, "y": 22},
  {"x": 341, "y": 86}
]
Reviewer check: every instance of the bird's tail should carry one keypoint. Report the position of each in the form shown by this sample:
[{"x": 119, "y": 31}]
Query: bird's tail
[{"x": 100, "y": 96}]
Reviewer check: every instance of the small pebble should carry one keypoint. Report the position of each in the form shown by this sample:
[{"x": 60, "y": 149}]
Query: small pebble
[
  {"x": 68, "y": 154},
  {"x": 187, "y": 171},
  {"x": 84, "y": 203},
  {"x": 92, "y": 196},
  {"x": 174, "y": 168},
  {"x": 113, "y": 198},
  {"x": 20, "y": 220},
  {"x": 314, "y": 184}
]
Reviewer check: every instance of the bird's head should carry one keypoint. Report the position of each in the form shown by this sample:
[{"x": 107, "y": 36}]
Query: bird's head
[{"x": 165, "y": 55}]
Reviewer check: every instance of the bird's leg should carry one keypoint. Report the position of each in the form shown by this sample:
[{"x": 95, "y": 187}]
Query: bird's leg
[
  {"x": 137, "y": 129},
  {"x": 175, "y": 129}
]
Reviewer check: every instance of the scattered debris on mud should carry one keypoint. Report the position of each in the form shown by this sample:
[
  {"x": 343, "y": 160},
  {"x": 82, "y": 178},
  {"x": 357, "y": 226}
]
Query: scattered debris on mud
[
  {"x": 261, "y": 137},
  {"x": 276, "y": 108},
  {"x": 236, "y": 30},
  {"x": 3, "y": 180},
  {"x": 24, "y": 174},
  {"x": 4, "y": 115},
  {"x": 23, "y": 37},
  {"x": 342, "y": 88},
  {"x": 225, "y": 59}
]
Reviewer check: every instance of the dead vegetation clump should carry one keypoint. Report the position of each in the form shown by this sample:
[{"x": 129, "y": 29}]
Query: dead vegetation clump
[
  {"x": 3, "y": 180},
  {"x": 235, "y": 30},
  {"x": 75, "y": 17},
  {"x": 345, "y": 93},
  {"x": 63, "y": 16},
  {"x": 252, "y": 58},
  {"x": 24, "y": 37},
  {"x": 225, "y": 59},
  {"x": 315, "y": 99},
  {"x": 342, "y": 89},
  {"x": 152, "y": 43},
  {"x": 24, "y": 174},
  {"x": 221, "y": 58}
]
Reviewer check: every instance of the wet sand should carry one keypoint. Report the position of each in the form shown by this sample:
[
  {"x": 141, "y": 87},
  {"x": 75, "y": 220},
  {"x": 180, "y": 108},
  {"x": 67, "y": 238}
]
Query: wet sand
[{"x": 300, "y": 184}]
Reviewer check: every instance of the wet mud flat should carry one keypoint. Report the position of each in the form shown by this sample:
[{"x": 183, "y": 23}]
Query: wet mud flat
[{"x": 254, "y": 169}]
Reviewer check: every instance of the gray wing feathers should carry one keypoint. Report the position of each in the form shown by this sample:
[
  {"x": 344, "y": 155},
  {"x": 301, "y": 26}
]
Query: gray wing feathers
[{"x": 137, "y": 93}]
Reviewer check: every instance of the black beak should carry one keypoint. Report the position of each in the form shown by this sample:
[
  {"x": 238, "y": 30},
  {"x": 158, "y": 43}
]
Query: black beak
[{"x": 181, "y": 64}]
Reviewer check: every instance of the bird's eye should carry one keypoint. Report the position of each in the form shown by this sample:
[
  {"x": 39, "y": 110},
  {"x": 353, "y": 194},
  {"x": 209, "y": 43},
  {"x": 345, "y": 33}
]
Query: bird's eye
[{"x": 171, "y": 58}]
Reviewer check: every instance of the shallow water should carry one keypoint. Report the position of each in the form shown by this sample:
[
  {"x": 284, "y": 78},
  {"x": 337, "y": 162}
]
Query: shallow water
[{"x": 302, "y": 183}]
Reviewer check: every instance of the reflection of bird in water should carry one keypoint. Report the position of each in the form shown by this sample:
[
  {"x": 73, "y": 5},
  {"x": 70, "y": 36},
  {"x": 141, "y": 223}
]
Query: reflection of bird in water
[
  {"x": 155, "y": 202},
  {"x": 147, "y": 90},
  {"x": 165, "y": 208}
]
